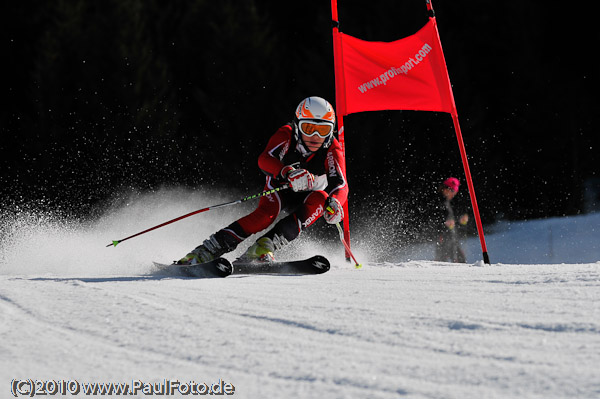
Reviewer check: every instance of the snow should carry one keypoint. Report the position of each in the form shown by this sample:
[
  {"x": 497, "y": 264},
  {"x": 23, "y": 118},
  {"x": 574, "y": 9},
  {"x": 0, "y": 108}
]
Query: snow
[
  {"x": 72, "y": 309},
  {"x": 574, "y": 239}
]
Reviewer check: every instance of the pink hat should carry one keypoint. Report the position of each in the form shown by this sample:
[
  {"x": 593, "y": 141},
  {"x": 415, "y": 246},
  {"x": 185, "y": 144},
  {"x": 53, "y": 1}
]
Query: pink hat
[{"x": 452, "y": 183}]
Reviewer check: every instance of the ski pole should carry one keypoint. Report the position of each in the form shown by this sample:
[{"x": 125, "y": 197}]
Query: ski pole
[
  {"x": 341, "y": 232},
  {"x": 251, "y": 197}
]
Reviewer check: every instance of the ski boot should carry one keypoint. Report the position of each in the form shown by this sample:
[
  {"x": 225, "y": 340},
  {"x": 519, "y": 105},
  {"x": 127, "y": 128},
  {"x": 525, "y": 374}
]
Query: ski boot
[
  {"x": 198, "y": 255},
  {"x": 214, "y": 247},
  {"x": 260, "y": 251}
]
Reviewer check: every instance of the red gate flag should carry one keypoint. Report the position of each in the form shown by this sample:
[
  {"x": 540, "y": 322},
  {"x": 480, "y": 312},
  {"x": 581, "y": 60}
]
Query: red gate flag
[{"x": 407, "y": 74}]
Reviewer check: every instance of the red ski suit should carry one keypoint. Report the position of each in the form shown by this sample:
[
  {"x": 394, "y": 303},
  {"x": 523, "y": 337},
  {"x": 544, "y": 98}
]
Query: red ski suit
[{"x": 326, "y": 164}]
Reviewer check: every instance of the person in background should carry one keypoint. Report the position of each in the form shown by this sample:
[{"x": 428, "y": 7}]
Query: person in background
[{"x": 447, "y": 245}]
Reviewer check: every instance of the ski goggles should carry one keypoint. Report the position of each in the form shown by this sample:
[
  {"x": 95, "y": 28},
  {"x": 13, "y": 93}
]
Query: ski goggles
[{"x": 309, "y": 129}]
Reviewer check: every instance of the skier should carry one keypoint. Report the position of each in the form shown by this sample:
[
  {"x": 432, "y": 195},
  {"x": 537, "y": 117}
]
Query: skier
[
  {"x": 305, "y": 155},
  {"x": 447, "y": 246}
]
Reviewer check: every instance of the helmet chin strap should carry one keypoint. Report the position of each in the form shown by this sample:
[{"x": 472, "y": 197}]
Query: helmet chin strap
[
  {"x": 299, "y": 141},
  {"x": 302, "y": 148}
]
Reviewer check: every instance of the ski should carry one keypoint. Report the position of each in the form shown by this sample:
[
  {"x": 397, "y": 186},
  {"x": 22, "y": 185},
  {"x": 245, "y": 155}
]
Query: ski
[
  {"x": 220, "y": 267},
  {"x": 315, "y": 265}
]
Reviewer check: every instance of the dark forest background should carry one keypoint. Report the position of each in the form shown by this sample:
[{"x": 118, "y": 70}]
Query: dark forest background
[{"x": 100, "y": 98}]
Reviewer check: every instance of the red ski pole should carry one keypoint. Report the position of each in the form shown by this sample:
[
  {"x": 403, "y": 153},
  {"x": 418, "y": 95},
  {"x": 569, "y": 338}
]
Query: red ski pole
[
  {"x": 251, "y": 197},
  {"x": 341, "y": 232}
]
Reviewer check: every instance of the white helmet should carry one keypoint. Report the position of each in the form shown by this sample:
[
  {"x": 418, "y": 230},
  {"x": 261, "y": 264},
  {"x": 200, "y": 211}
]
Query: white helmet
[{"x": 314, "y": 115}]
